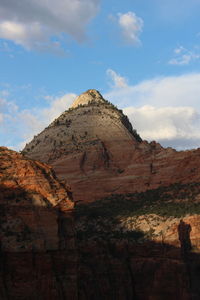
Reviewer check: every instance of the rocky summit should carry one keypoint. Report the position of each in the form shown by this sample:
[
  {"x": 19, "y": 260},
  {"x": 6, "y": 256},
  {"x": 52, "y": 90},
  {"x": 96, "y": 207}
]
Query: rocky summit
[{"x": 127, "y": 228}]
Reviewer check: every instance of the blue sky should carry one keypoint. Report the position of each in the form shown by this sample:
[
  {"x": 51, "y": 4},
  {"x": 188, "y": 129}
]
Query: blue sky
[{"x": 143, "y": 55}]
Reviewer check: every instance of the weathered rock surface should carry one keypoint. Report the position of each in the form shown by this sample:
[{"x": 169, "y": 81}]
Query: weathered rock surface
[
  {"x": 135, "y": 246},
  {"x": 37, "y": 244},
  {"x": 94, "y": 148},
  {"x": 90, "y": 145},
  {"x": 141, "y": 246},
  {"x": 142, "y": 241}
]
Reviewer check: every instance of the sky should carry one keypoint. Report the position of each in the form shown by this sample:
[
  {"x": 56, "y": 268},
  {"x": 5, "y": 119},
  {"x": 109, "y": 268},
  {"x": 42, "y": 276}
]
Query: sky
[{"x": 142, "y": 55}]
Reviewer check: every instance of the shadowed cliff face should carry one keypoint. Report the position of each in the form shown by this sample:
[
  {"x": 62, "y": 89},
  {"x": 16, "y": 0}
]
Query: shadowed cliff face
[
  {"x": 101, "y": 260},
  {"x": 136, "y": 246},
  {"x": 37, "y": 246},
  {"x": 140, "y": 246}
]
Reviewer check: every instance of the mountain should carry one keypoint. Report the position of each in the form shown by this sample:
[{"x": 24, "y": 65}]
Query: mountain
[
  {"x": 95, "y": 149},
  {"x": 134, "y": 231},
  {"x": 84, "y": 146}
]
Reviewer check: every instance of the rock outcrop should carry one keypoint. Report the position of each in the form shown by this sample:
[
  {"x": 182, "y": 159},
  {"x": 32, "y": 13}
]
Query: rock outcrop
[
  {"x": 94, "y": 147},
  {"x": 132, "y": 246},
  {"x": 141, "y": 240},
  {"x": 84, "y": 146},
  {"x": 37, "y": 242},
  {"x": 141, "y": 246}
]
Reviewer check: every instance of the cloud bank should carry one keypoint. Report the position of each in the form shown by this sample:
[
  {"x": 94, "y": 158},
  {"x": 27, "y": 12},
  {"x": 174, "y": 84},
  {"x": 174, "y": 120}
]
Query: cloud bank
[
  {"x": 164, "y": 109},
  {"x": 19, "y": 126},
  {"x": 41, "y": 25}
]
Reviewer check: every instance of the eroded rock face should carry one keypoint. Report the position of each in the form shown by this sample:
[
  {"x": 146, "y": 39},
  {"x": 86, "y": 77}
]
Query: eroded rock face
[
  {"x": 94, "y": 148},
  {"x": 88, "y": 97},
  {"x": 130, "y": 246},
  {"x": 140, "y": 242},
  {"x": 143, "y": 246},
  {"x": 90, "y": 145},
  {"x": 37, "y": 244}
]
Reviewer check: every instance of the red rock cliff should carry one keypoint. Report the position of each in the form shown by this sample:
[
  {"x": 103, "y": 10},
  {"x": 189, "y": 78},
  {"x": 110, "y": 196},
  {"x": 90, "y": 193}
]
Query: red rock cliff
[
  {"x": 37, "y": 245},
  {"x": 94, "y": 147},
  {"x": 142, "y": 241},
  {"x": 132, "y": 246}
]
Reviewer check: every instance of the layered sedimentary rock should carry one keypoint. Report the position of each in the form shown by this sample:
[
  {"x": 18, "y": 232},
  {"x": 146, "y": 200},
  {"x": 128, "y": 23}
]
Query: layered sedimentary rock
[
  {"x": 140, "y": 241},
  {"x": 37, "y": 243},
  {"x": 90, "y": 146},
  {"x": 94, "y": 147},
  {"x": 130, "y": 246},
  {"x": 141, "y": 246}
]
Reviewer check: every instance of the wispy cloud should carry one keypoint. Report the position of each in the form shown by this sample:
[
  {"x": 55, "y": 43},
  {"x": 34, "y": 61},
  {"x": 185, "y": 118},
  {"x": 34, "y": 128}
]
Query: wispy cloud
[
  {"x": 116, "y": 80},
  {"x": 4, "y": 47},
  {"x": 19, "y": 126},
  {"x": 131, "y": 27},
  {"x": 40, "y": 25},
  {"x": 183, "y": 56}
]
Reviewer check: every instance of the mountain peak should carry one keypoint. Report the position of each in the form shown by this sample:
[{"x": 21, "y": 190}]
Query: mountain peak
[{"x": 88, "y": 96}]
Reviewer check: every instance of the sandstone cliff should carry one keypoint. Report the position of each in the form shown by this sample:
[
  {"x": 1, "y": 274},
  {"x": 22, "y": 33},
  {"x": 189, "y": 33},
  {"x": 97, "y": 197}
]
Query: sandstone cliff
[
  {"x": 84, "y": 146},
  {"x": 130, "y": 246},
  {"x": 94, "y": 147},
  {"x": 141, "y": 246},
  {"x": 37, "y": 250},
  {"x": 141, "y": 240}
]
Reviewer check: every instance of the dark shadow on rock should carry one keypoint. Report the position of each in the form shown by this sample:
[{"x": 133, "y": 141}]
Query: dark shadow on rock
[
  {"x": 126, "y": 267},
  {"x": 184, "y": 230},
  {"x": 38, "y": 258}
]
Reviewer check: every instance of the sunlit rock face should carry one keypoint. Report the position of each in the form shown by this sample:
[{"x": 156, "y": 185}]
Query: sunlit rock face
[
  {"x": 87, "y": 98},
  {"x": 36, "y": 231},
  {"x": 90, "y": 145},
  {"x": 94, "y": 147}
]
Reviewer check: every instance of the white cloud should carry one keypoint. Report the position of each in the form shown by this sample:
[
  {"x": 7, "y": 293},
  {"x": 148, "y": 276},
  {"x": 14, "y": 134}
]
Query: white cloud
[
  {"x": 181, "y": 90},
  {"x": 57, "y": 106},
  {"x": 39, "y": 25},
  {"x": 163, "y": 109},
  {"x": 24, "y": 124},
  {"x": 131, "y": 27},
  {"x": 117, "y": 81},
  {"x": 4, "y": 47},
  {"x": 172, "y": 126},
  {"x": 184, "y": 56}
]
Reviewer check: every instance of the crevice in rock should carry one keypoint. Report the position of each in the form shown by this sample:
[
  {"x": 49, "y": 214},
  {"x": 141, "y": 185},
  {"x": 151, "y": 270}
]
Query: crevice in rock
[
  {"x": 105, "y": 155},
  {"x": 82, "y": 161}
]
